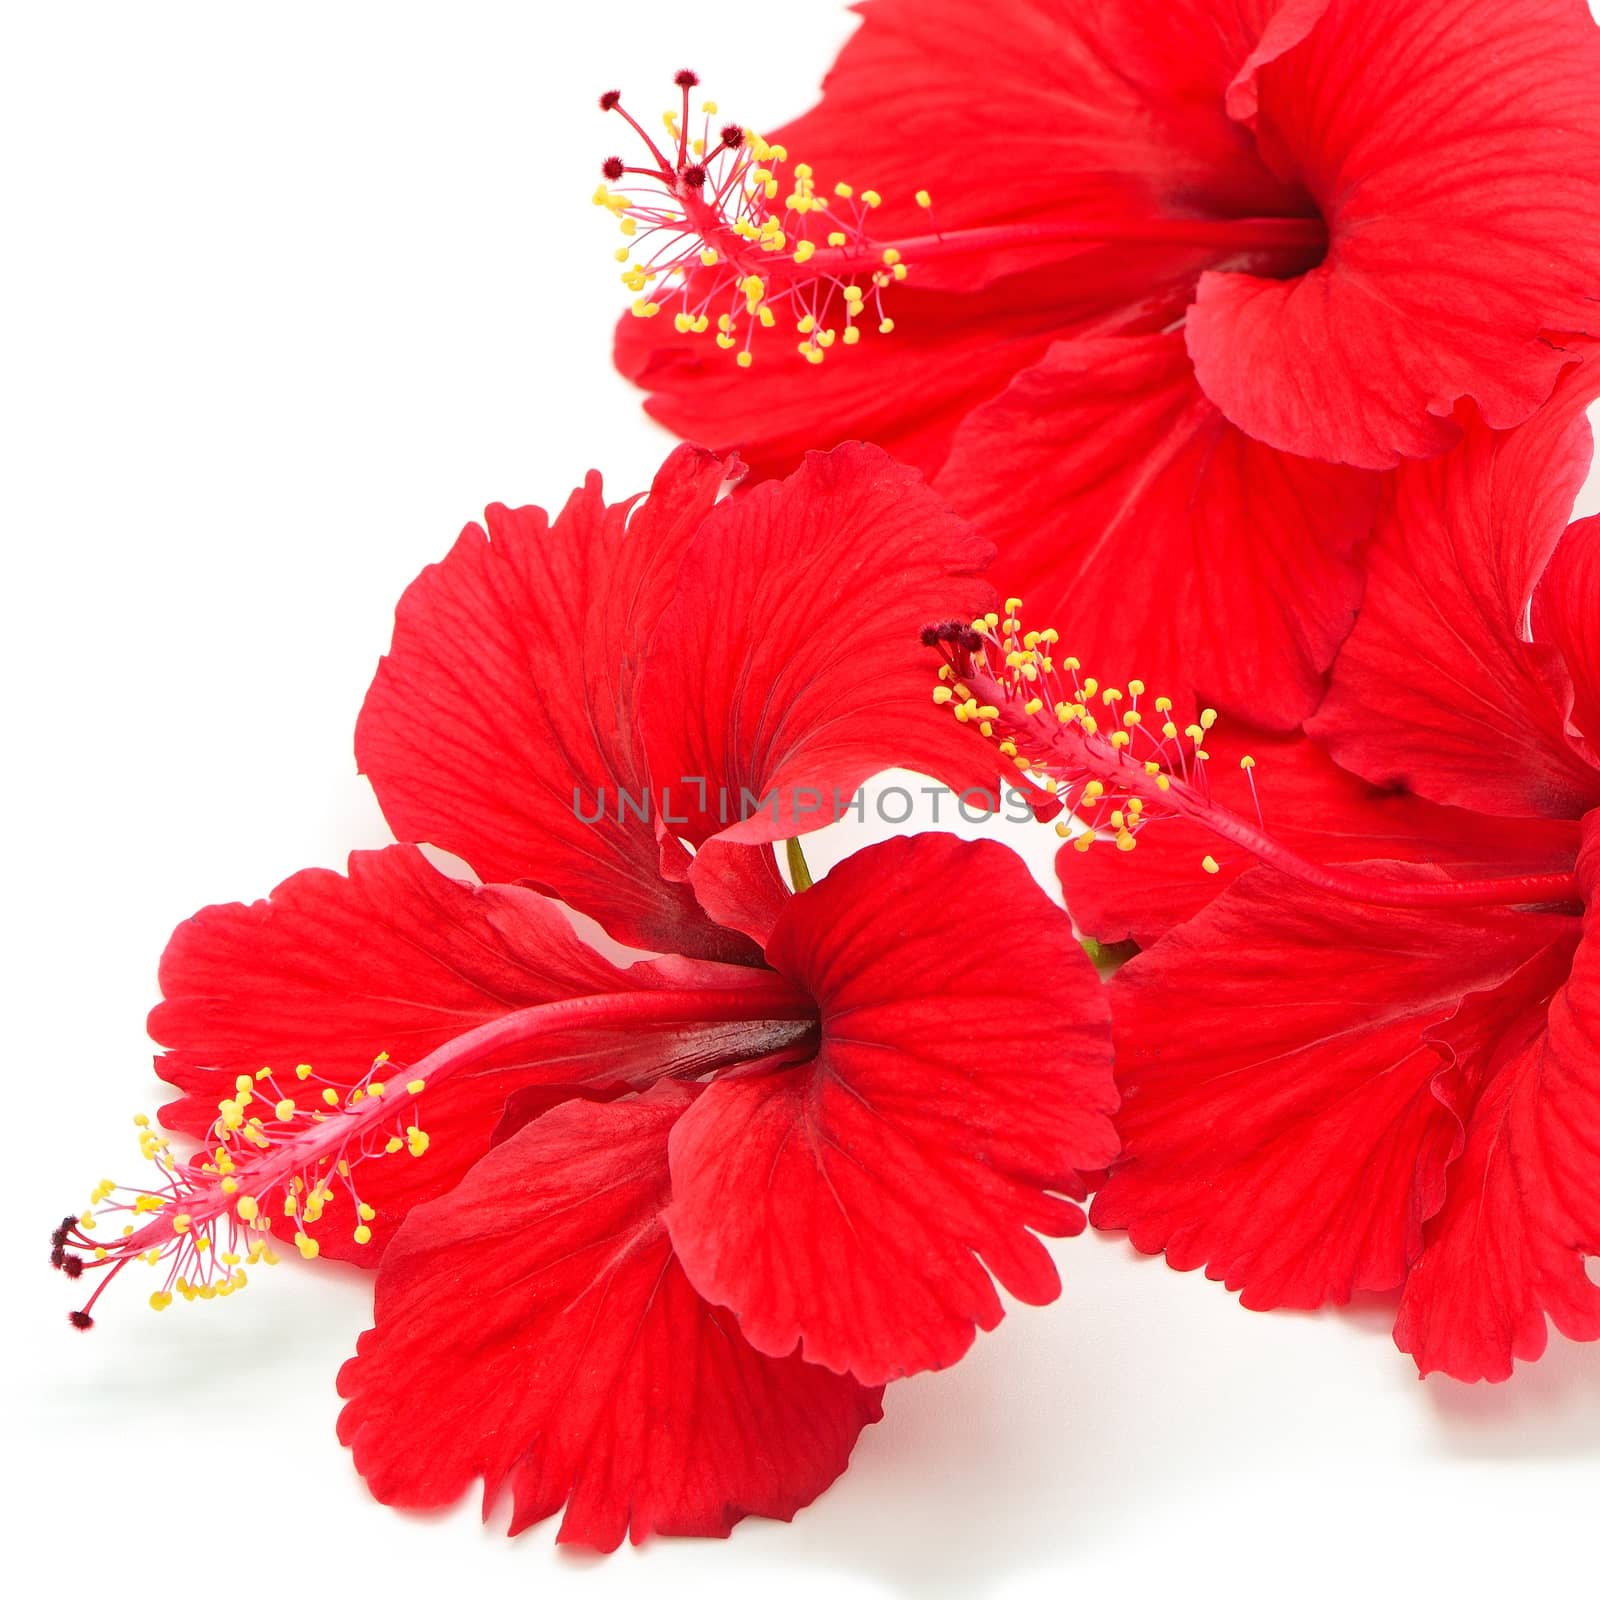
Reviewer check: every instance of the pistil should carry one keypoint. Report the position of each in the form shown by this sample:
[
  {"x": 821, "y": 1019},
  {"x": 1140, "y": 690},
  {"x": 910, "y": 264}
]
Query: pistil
[
  {"x": 1118, "y": 763},
  {"x": 714, "y": 232},
  {"x": 208, "y": 1219}
]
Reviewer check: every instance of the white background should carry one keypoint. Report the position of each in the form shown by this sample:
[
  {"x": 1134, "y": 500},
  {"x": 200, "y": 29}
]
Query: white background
[{"x": 291, "y": 292}]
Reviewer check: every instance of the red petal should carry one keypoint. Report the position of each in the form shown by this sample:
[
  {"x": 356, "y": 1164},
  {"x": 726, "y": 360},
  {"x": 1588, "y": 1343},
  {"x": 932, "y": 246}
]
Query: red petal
[
  {"x": 399, "y": 958},
  {"x": 1311, "y": 805},
  {"x": 1067, "y": 114},
  {"x": 1565, "y": 606},
  {"x": 907, "y": 391},
  {"x": 961, "y": 1085},
  {"x": 1524, "y": 1200},
  {"x": 534, "y": 1329},
  {"x": 1457, "y": 163},
  {"x": 1436, "y": 689},
  {"x": 506, "y": 704},
  {"x": 788, "y": 668},
  {"x": 1281, "y": 1119},
  {"x": 1112, "y": 487}
]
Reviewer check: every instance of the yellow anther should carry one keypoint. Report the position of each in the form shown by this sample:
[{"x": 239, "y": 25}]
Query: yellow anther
[
  {"x": 852, "y": 335},
  {"x": 886, "y": 326},
  {"x": 362, "y": 1235},
  {"x": 1247, "y": 762},
  {"x": 804, "y": 250},
  {"x": 141, "y": 1121},
  {"x": 1093, "y": 789},
  {"x": 900, "y": 271},
  {"x": 1034, "y": 706},
  {"x": 1063, "y": 830},
  {"x": 843, "y": 190},
  {"x": 1131, "y": 719},
  {"x": 330, "y": 1097},
  {"x": 1210, "y": 864},
  {"x": 645, "y": 308},
  {"x": 284, "y": 1110},
  {"x": 1125, "y": 840},
  {"x": 180, "y": 1223},
  {"x": 838, "y": 241},
  {"x": 416, "y": 1140},
  {"x": 890, "y": 256},
  {"x": 1082, "y": 842},
  {"x": 160, "y": 1300},
  {"x": 303, "y": 1071},
  {"x": 1208, "y": 719},
  {"x": 943, "y": 695},
  {"x": 709, "y": 107},
  {"x": 307, "y": 1246},
  {"x": 924, "y": 199},
  {"x": 807, "y": 324},
  {"x": 1163, "y": 782},
  {"x": 247, "y": 1207},
  {"x": 871, "y": 199},
  {"x": 393, "y": 1145},
  {"x": 232, "y": 1113},
  {"x": 743, "y": 359},
  {"x": 291, "y": 1204},
  {"x": 230, "y": 1185},
  {"x": 148, "y": 1202},
  {"x": 1120, "y": 739},
  {"x": 768, "y": 317}
]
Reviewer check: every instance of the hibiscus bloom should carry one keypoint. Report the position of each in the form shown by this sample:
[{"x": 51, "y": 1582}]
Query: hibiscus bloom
[
  {"x": 675, "y": 1222},
  {"x": 1187, "y": 274},
  {"x": 1394, "y": 1085}
]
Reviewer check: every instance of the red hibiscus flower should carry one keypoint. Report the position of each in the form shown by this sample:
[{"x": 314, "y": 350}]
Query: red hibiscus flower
[
  {"x": 1188, "y": 269},
  {"x": 675, "y": 1223},
  {"x": 1372, "y": 1061}
]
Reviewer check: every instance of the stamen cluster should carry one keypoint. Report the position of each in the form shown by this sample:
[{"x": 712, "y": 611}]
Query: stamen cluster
[
  {"x": 208, "y": 1219},
  {"x": 715, "y": 232},
  {"x": 1114, "y": 761}
]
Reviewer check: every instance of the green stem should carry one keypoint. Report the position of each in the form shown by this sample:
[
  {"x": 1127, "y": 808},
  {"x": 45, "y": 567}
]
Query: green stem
[{"x": 799, "y": 872}]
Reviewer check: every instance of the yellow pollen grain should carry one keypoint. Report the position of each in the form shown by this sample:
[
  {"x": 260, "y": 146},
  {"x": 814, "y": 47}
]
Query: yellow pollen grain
[
  {"x": 307, "y": 1246},
  {"x": 416, "y": 1140},
  {"x": 1210, "y": 864}
]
